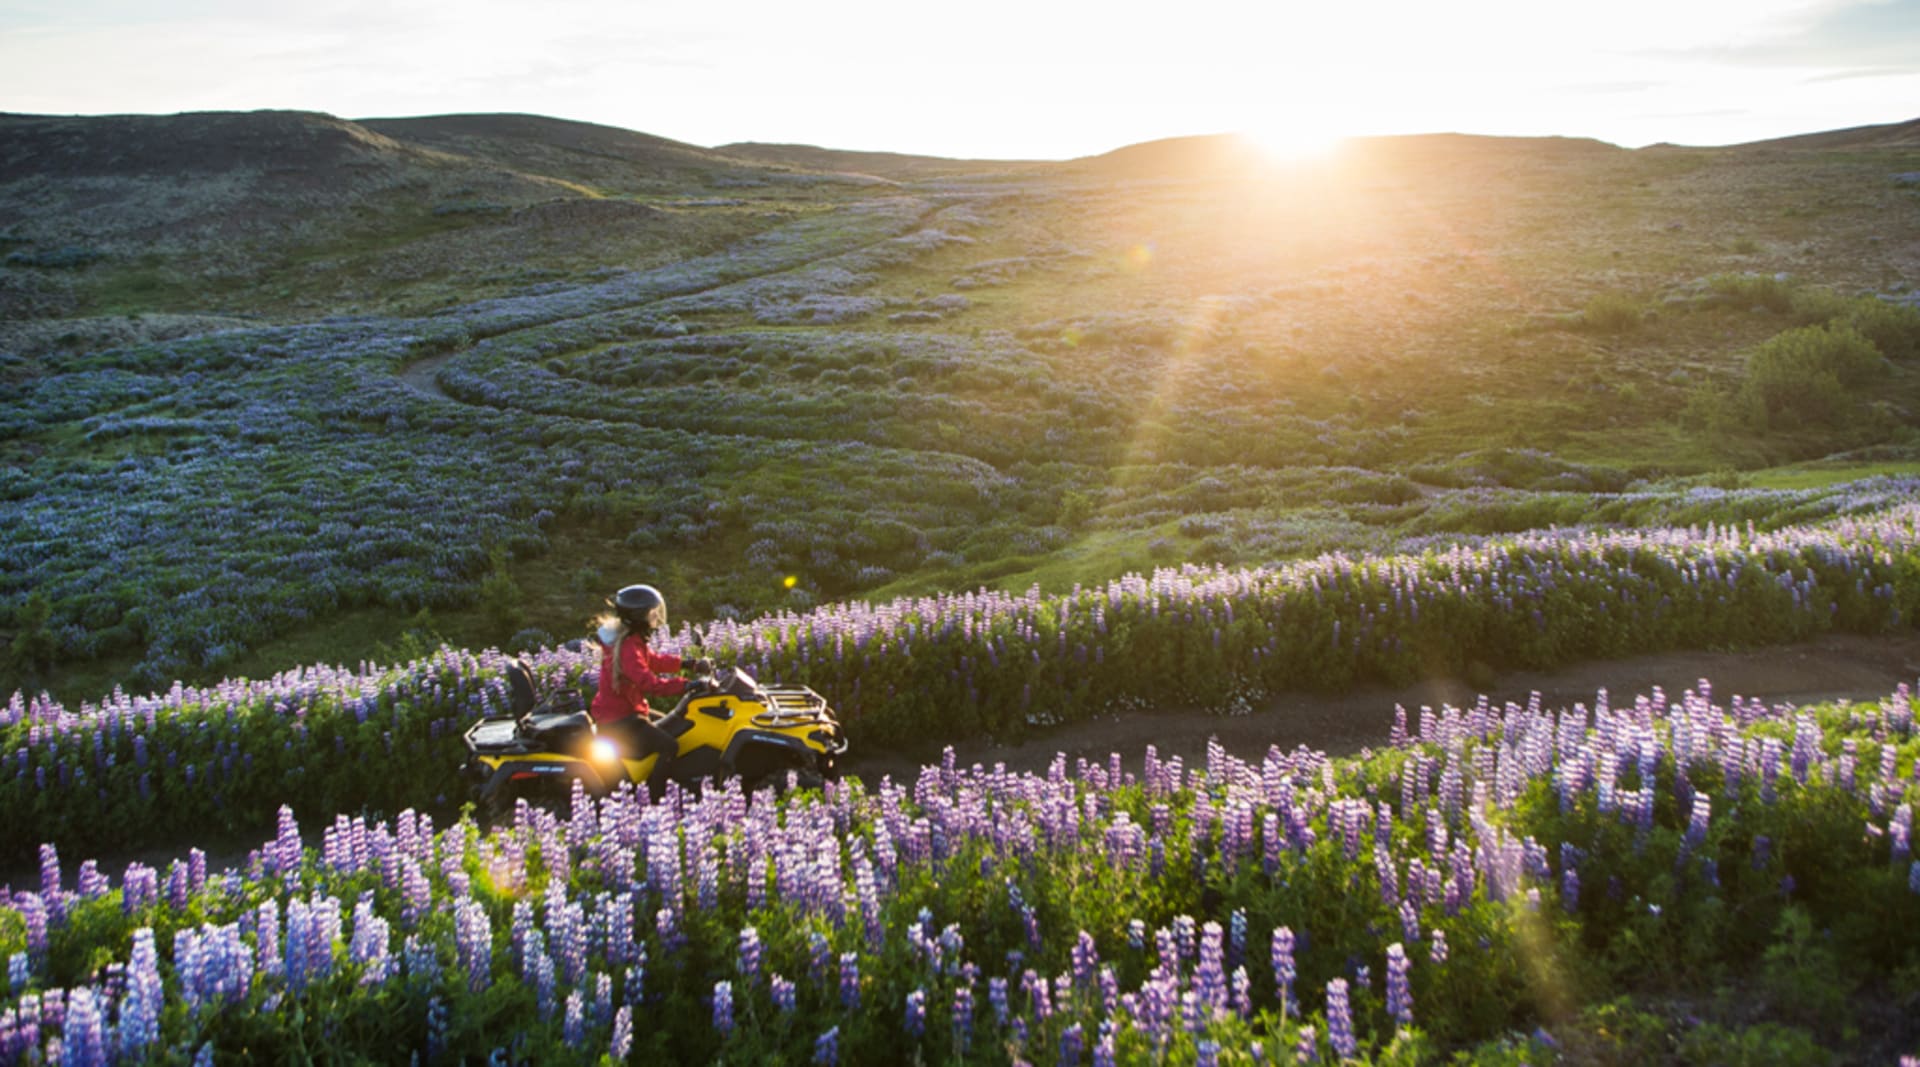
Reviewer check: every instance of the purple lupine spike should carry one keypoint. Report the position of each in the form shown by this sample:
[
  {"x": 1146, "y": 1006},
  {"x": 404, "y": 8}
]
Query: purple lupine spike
[
  {"x": 783, "y": 994},
  {"x": 622, "y": 1033},
  {"x": 1306, "y": 1047},
  {"x": 1437, "y": 953},
  {"x": 1340, "y": 1020},
  {"x": 50, "y": 883},
  {"x": 723, "y": 1008},
  {"x": 1900, "y": 833},
  {"x": 962, "y": 1020},
  {"x": 1283, "y": 967},
  {"x": 826, "y": 1049},
  {"x": 438, "y": 1023},
  {"x": 602, "y": 1013},
  {"x": 140, "y": 1009},
  {"x": 33, "y": 909},
  {"x": 1085, "y": 957},
  {"x": 573, "y": 1029},
  {"x": 1072, "y": 1043},
  {"x": 1399, "y": 990},
  {"x": 83, "y": 1036},
  {"x": 916, "y": 1022},
  {"x": 372, "y": 940},
  {"x": 473, "y": 940},
  {"x": 850, "y": 981},
  {"x": 749, "y": 956},
  {"x": 1209, "y": 976}
]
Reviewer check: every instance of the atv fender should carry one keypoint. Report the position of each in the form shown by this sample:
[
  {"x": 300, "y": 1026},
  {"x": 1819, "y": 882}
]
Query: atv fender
[
  {"x": 544, "y": 771},
  {"x": 748, "y": 739}
]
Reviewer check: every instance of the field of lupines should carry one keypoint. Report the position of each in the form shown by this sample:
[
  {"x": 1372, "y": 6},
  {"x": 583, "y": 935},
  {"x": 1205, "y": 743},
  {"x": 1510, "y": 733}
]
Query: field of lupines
[
  {"x": 327, "y": 740},
  {"x": 1502, "y": 881}
]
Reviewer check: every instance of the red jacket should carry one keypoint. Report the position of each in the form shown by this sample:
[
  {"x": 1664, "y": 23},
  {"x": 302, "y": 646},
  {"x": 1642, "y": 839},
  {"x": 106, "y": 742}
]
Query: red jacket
[{"x": 643, "y": 673}]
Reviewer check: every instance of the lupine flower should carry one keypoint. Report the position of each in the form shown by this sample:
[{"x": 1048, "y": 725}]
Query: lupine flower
[
  {"x": 622, "y": 1033},
  {"x": 1399, "y": 993},
  {"x": 574, "y": 1028},
  {"x": 916, "y": 1013},
  {"x": 1072, "y": 1043},
  {"x": 83, "y": 1036},
  {"x": 140, "y": 1009},
  {"x": 723, "y": 1007},
  {"x": 849, "y": 982},
  {"x": 1340, "y": 1020},
  {"x": 826, "y": 1048},
  {"x": 749, "y": 960},
  {"x": 962, "y": 1019},
  {"x": 1283, "y": 969},
  {"x": 1306, "y": 1047},
  {"x": 473, "y": 940}
]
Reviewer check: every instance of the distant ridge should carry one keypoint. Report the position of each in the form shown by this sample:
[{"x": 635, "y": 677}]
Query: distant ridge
[
  {"x": 1203, "y": 154},
  {"x": 197, "y": 143},
  {"x": 894, "y": 166},
  {"x": 1230, "y": 154},
  {"x": 1887, "y": 135},
  {"x": 607, "y": 157}
]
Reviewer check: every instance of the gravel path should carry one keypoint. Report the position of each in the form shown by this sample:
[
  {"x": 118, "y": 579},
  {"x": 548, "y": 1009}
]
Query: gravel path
[{"x": 1841, "y": 667}]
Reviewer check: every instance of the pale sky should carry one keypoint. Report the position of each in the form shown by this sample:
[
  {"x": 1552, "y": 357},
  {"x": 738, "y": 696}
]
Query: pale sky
[{"x": 1028, "y": 79}]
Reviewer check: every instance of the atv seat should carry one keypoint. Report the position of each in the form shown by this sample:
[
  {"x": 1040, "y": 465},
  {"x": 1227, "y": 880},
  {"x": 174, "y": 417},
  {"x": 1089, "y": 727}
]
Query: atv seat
[{"x": 555, "y": 728}]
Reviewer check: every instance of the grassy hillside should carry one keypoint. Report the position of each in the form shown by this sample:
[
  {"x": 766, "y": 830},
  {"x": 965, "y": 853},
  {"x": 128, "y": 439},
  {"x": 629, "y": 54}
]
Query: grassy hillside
[{"x": 614, "y": 358}]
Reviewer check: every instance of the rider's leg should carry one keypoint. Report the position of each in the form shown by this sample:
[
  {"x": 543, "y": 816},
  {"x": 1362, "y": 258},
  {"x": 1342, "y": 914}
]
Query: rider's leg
[{"x": 665, "y": 749}]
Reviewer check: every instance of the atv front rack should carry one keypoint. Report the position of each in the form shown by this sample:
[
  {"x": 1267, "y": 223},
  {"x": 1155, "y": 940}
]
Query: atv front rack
[{"x": 793, "y": 706}]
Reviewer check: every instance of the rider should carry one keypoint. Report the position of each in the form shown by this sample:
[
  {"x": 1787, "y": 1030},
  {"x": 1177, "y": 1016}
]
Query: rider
[{"x": 630, "y": 672}]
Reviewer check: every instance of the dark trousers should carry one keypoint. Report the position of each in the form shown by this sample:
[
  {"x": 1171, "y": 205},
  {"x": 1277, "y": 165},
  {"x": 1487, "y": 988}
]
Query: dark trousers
[{"x": 639, "y": 738}]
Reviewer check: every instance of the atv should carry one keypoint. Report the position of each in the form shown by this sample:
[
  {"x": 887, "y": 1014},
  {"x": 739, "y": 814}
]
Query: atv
[{"x": 726, "y": 725}]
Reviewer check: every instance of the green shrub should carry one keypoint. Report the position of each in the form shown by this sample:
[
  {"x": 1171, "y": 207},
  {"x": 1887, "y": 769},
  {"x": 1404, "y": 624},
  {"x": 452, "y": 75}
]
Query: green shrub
[
  {"x": 1747, "y": 291},
  {"x": 1893, "y": 328},
  {"x": 1611, "y": 313},
  {"x": 1804, "y": 376}
]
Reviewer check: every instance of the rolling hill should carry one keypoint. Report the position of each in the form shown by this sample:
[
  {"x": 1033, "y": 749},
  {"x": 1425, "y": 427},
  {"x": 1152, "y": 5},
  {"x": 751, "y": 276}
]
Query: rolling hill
[{"x": 774, "y": 376}]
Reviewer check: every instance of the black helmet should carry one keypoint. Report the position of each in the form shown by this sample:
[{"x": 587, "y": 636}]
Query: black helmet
[{"x": 641, "y": 607}]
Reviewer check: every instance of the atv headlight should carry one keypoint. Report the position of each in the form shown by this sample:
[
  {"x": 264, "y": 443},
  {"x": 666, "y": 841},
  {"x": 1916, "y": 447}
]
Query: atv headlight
[{"x": 604, "y": 751}]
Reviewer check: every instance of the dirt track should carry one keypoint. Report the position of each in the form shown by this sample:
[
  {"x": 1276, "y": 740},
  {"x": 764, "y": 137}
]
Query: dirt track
[{"x": 1830, "y": 668}]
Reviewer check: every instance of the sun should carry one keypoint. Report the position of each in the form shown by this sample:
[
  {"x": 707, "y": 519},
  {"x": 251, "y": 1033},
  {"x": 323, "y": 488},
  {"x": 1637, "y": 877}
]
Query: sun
[{"x": 1295, "y": 139}]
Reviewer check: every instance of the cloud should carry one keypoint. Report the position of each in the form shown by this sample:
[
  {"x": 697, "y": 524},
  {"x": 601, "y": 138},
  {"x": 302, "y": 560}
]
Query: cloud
[{"x": 1853, "y": 36}]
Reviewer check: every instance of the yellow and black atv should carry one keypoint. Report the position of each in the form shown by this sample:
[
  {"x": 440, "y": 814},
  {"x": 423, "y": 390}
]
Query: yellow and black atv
[{"x": 727, "y": 724}]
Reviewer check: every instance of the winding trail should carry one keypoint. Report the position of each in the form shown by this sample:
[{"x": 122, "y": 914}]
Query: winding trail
[
  {"x": 1835, "y": 667},
  {"x": 422, "y": 375}
]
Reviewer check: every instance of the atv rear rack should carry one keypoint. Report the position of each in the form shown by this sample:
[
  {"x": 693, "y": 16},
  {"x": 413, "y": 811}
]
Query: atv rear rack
[{"x": 793, "y": 706}]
